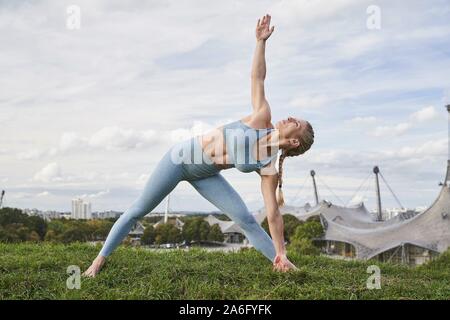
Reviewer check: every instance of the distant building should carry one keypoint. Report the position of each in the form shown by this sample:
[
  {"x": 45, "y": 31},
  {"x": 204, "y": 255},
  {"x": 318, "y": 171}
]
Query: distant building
[
  {"x": 106, "y": 214},
  {"x": 47, "y": 215},
  {"x": 137, "y": 231},
  {"x": 31, "y": 212},
  {"x": 81, "y": 209},
  {"x": 390, "y": 213},
  {"x": 176, "y": 222},
  {"x": 231, "y": 231}
]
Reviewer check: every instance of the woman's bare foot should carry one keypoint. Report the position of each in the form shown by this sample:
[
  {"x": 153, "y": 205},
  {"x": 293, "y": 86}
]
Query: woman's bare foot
[
  {"x": 282, "y": 263},
  {"x": 95, "y": 267}
]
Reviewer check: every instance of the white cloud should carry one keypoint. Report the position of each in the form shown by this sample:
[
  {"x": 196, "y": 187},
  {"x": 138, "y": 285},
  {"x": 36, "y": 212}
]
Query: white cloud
[
  {"x": 363, "y": 120},
  {"x": 392, "y": 131},
  {"x": 31, "y": 154},
  {"x": 43, "y": 194},
  {"x": 304, "y": 11},
  {"x": 425, "y": 114},
  {"x": 94, "y": 195},
  {"x": 50, "y": 173},
  {"x": 71, "y": 141},
  {"x": 309, "y": 101},
  {"x": 421, "y": 116},
  {"x": 105, "y": 139},
  {"x": 360, "y": 45},
  {"x": 428, "y": 149},
  {"x": 22, "y": 195},
  {"x": 420, "y": 155},
  {"x": 112, "y": 138},
  {"x": 115, "y": 138},
  {"x": 100, "y": 194},
  {"x": 198, "y": 128}
]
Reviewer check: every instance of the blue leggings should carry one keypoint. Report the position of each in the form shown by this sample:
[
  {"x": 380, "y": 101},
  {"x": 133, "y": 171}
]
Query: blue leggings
[{"x": 175, "y": 166}]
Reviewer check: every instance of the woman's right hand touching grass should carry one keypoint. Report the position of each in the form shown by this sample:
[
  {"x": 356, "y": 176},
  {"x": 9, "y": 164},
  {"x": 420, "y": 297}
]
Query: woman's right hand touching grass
[
  {"x": 281, "y": 263},
  {"x": 95, "y": 267}
]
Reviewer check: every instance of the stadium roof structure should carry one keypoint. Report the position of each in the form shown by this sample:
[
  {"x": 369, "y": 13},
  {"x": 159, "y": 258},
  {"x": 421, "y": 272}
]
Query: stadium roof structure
[
  {"x": 429, "y": 229},
  {"x": 355, "y": 225}
]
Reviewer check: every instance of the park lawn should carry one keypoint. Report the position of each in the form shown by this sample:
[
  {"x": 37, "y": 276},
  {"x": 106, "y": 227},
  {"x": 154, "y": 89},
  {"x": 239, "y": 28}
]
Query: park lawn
[{"x": 39, "y": 271}]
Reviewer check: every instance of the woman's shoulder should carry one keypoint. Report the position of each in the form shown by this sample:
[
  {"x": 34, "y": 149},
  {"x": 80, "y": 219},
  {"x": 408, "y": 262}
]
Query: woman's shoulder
[{"x": 256, "y": 122}]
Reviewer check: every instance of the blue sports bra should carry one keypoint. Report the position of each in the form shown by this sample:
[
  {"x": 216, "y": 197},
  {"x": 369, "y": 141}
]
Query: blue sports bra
[{"x": 239, "y": 139}]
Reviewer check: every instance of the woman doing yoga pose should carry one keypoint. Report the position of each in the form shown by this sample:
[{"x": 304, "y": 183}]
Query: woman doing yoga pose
[{"x": 251, "y": 144}]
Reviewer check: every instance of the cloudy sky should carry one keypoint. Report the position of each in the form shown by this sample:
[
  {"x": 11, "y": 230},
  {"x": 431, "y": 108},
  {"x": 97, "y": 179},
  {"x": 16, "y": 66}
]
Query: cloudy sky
[{"x": 89, "y": 111}]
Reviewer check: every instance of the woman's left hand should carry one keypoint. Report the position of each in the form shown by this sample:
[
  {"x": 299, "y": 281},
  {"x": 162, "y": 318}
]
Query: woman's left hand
[
  {"x": 281, "y": 263},
  {"x": 263, "y": 30}
]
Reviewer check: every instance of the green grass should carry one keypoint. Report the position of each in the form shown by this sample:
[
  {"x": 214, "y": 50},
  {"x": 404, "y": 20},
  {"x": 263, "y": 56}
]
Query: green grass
[{"x": 38, "y": 271}]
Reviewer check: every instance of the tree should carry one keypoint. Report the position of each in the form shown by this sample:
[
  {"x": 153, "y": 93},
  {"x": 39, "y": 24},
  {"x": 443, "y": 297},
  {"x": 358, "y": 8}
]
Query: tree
[
  {"x": 38, "y": 225},
  {"x": 51, "y": 236},
  {"x": 85, "y": 228},
  {"x": 309, "y": 230},
  {"x": 57, "y": 226},
  {"x": 305, "y": 233},
  {"x": 215, "y": 234},
  {"x": 21, "y": 225},
  {"x": 290, "y": 223},
  {"x": 203, "y": 229},
  {"x": 22, "y": 231},
  {"x": 149, "y": 235},
  {"x": 99, "y": 229},
  {"x": 73, "y": 235},
  {"x": 8, "y": 235},
  {"x": 167, "y": 233},
  {"x": 12, "y": 215},
  {"x": 304, "y": 246},
  {"x": 195, "y": 229},
  {"x": 158, "y": 239},
  {"x": 34, "y": 237}
]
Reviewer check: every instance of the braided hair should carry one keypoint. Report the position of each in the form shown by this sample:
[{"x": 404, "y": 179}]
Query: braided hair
[{"x": 306, "y": 141}]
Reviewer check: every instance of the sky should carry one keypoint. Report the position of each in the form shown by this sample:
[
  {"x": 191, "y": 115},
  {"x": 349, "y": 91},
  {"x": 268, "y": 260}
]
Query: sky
[{"x": 90, "y": 100}]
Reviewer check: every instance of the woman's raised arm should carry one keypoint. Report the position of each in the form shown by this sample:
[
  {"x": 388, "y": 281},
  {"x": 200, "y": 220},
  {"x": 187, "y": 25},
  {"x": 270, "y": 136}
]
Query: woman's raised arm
[{"x": 261, "y": 107}]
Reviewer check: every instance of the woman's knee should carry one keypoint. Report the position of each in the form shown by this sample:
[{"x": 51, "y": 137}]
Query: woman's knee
[
  {"x": 246, "y": 220},
  {"x": 133, "y": 213}
]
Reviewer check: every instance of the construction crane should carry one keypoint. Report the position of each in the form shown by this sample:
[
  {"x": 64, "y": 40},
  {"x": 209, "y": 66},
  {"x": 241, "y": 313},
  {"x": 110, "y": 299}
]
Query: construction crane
[{"x": 1, "y": 198}]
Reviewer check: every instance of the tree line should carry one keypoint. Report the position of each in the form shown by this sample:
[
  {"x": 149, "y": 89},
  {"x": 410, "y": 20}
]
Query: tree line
[
  {"x": 195, "y": 229},
  {"x": 16, "y": 226}
]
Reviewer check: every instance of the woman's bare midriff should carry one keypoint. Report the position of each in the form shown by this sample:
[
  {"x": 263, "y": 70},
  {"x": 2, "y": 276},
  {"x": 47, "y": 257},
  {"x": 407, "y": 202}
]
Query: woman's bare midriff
[{"x": 213, "y": 146}]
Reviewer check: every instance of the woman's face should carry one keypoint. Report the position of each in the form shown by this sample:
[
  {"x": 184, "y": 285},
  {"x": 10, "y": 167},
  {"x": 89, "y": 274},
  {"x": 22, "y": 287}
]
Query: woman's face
[
  {"x": 291, "y": 128},
  {"x": 290, "y": 132}
]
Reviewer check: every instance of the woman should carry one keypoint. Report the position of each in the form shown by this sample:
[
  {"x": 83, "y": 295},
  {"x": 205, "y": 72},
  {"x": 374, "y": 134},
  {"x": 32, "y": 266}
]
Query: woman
[{"x": 223, "y": 148}]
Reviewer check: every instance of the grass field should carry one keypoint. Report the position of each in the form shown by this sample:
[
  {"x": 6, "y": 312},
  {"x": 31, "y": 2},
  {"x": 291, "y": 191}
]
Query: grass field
[{"x": 38, "y": 271}]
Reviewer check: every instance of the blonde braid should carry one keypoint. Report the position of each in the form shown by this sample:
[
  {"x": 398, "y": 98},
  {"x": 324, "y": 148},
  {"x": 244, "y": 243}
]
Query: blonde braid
[
  {"x": 305, "y": 144},
  {"x": 280, "y": 198}
]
